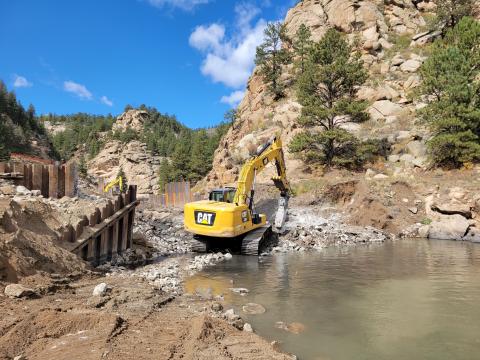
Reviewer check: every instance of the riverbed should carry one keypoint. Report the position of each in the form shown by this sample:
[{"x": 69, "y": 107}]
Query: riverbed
[{"x": 406, "y": 299}]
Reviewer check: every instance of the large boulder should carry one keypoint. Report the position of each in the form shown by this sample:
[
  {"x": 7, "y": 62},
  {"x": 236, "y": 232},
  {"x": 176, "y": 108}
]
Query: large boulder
[
  {"x": 449, "y": 227},
  {"x": 131, "y": 119},
  {"x": 18, "y": 291},
  {"x": 384, "y": 108},
  {"x": 410, "y": 65}
]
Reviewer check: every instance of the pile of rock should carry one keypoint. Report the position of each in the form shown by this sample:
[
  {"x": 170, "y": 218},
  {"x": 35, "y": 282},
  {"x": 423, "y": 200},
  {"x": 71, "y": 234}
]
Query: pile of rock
[
  {"x": 198, "y": 263},
  {"x": 307, "y": 231},
  {"x": 451, "y": 215},
  {"x": 162, "y": 231}
]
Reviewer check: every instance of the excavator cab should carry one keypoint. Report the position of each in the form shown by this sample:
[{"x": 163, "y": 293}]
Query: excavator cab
[{"x": 223, "y": 195}]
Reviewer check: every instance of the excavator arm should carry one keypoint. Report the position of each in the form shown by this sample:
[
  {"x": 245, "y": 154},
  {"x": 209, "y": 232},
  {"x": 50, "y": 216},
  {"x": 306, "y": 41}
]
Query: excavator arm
[
  {"x": 118, "y": 181},
  {"x": 271, "y": 151}
]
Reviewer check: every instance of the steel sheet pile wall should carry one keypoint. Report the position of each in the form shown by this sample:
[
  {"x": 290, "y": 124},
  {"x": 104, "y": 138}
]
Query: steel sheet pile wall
[
  {"x": 55, "y": 181},
  {"x": 177, "y": 194},
  {"x": 107, "y": 232}
]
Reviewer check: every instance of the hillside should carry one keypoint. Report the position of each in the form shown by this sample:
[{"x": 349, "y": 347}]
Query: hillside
[
  {"x": 395, "y": 42},
  {"x": 150, "y": 147},
  {"x": 20, "y": 130},
  {"x": 396, "y": 190}
]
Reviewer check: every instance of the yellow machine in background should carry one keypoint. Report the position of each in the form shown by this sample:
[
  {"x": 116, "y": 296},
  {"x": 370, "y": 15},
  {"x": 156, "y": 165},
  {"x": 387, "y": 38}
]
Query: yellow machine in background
[
  {"x": 230, "y": 212},
  {"x": 115, "y": 182}
]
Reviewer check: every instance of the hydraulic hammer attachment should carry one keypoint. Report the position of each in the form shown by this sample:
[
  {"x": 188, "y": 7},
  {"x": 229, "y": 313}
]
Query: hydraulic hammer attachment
[{"x": 281, "y": 215}]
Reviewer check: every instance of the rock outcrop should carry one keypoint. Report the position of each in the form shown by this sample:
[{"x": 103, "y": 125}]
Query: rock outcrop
[
  {"x": 386, "y": 30},
  {"x": 131, "y": 119},
  {"x": 139, "y": 165}
]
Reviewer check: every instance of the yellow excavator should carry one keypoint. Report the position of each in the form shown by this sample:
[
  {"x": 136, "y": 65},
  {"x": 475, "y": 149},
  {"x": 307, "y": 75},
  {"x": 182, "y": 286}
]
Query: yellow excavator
[
  {"x": 115, "y": 182},
  {"x": 230, "y": 213}
]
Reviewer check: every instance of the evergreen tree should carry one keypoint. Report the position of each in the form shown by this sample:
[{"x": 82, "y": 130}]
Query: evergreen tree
[
  {"x": 231, "y": 116},
  {"x": 451, "y": 85},
  {"x": 271, "y": 56},
  {"x": 302, "y": 46},
  {"x": 327, "y": 92},
  {"x": 201, "y": 156},
  {"x": 82, "y": 167},
  {"x": 121, "y": 174},
  {"x": 181, "y": 158},
  {"x": 164, "y": 174},
  {"x": 450, "y": 12}
]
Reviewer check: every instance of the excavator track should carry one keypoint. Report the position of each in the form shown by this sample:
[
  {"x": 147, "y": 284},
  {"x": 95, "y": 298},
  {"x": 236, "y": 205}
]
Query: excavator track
[
  {"x": 256, "y": 240},
  {"x": 199, "y": 244}
]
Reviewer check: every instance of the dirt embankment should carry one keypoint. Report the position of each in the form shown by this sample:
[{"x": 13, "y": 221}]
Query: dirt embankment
[{"x": 130, "y": 320}]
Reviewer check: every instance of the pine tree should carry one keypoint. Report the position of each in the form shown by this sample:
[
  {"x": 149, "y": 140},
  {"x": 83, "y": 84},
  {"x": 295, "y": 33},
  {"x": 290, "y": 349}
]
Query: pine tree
[
  {"x": 271, "y": 56},
  {"x": 451, "y": 85},
  {"x": 200, "y": 157},
  {"x": 231, "y": 116},
  {"x": 181, "y": 158},
  {"x": 450, "y": 12},
  {"x": 164, "y": 174},
  {"x": 302, "y": 46},
  {"x": 121, "y": 174},
  {"x": 82, "y": 167},
  {"x": 327, "y": 92}
]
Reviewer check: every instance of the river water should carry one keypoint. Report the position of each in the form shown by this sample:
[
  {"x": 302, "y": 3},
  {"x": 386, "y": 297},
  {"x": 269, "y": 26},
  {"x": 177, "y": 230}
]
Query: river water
[{"x": 408, "y": 299}]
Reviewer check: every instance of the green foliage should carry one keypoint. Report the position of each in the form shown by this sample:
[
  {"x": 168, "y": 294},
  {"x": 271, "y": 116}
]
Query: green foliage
[
  {"x": 81, "y": 130},
  {"x": 126, "y": 136},
  {"x": 302, "y": 45},
  {"x": 181, "y": 157},
  {"x": 450, "y": 12},
  {"x": 121, "y": 174},
  {"x": 165, "y": 174},
  {"x": 271, "y": 56},
  {"x": 17, "y": 125},
  {"x": 231, "y": 116},
  {"x": 426, "y": 221},
  {"x": 201, "y": 156},
  {"x": 327, "y": 90},
  {"x": 451, "y": 85},
  {"x": 82, "y": 167}
]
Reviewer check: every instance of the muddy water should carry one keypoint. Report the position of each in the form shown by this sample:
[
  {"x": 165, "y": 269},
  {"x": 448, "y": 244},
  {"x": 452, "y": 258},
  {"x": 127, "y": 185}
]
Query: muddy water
[{"x": 411, "y": 299}]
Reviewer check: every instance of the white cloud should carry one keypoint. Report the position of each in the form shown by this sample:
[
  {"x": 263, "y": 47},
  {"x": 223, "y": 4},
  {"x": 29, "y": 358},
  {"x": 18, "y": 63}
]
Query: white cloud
[
  {"x": 78, "y": 89},
  {"x": 234, "y": 98},
  {"x": 105, "y": 100},
  {"x": 230, "y": 61},
  {"x": 21, "y": 82},
  {"x": 182, "y": 4}
]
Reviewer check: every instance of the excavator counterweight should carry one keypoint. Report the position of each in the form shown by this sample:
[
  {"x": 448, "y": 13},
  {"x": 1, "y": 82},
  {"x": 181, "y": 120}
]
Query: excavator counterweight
[{"x": 230, "y": 212}]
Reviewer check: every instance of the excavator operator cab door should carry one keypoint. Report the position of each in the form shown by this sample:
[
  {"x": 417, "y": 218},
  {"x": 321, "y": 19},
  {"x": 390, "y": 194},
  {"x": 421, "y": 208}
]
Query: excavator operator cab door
[{"x": 222, "y": 195}]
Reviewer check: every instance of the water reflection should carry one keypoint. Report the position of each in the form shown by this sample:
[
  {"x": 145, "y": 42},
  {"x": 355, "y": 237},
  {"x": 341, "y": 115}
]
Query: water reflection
[{"x": 406, "y": 299}]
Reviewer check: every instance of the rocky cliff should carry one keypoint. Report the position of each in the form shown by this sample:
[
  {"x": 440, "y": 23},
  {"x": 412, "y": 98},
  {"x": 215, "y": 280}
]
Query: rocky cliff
[
  {"x": 139, "y": 165},
  {"x": 393, "y": 36}
]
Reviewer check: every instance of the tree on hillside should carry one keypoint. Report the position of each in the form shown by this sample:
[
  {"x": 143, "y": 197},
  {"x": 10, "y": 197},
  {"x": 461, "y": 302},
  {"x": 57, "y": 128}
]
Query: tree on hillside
[
  {"x": 164, "y": 174},
  {"x": 201, "y": 156},
  {"x": 450, "y": 12},
  {"x": 451, "y": 86},
  {"x": 327, "y": 92},
  {"x": 231, "y": 116},
  {"x": 121, "y": 174},
  {"x": 82, "y": 167},
  {"x": 302, "y": 46},
  {"x": 271, "y": 56},
  {"x": 181, "y": 157}
]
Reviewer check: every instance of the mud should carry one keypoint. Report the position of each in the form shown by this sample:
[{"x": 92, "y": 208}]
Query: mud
[{"x": 134, "y": 320}]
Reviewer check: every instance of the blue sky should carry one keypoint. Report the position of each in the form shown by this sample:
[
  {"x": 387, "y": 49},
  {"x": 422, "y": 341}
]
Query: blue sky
[{"x": 190, "y": 58}]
